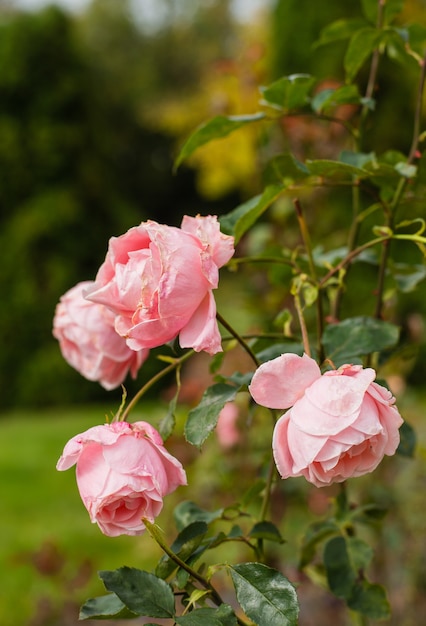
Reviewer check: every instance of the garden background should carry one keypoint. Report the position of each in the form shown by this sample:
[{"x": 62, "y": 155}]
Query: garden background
[{"x": 93, "y": 108}]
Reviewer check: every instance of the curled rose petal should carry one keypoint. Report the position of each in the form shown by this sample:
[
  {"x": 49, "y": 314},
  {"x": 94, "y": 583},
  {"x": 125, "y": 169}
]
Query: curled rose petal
[
  {"x": 340, "y": 424},
  {"x": 279, "y": 383}
]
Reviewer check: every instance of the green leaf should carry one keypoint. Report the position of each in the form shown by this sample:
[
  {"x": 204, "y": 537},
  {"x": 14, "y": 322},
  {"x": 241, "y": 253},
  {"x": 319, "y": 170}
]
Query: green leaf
[
  {"x": 222, "y": 616},
  {"x": 369, "y": 8},
  {"x": 203, "y": 419},
  {"x": 391, "y": 8},
  {"x": 104, "y": 607},
  {"x": 370, "y": 600},
  {"x": 340, "y": 29},
  {"x": 369, "y": 514},
  {"x": 253, "y": 492},
  {"x": 395, "y": 40},
  {"x": 357, "y": 159},
  {"x": 315, "y": 534},
  {"x": 285, "y": 168},
  {"x": 238, "y": 221},
  {"x": 361, "y": 46},
  {"x": 406, "y": 170},
  {"x": 334, "y": 169},
  {"x": 184, "y": 546},
  {"x": 188, "y": 512},
  {"x": 167, "y": 424},
  {"x": 142, "y": 592},
  {"x": 216, "y": 128},
  {"x": 407, "y": 277},
  {"x": 340, "y": 575},
  {"x": 265, "y": 595},
  {"x": 358, "y": 336},
  {"x": 289, "y": 92},
  {"x": 344, "y": 560},
  {"x": 266, "y": 530},
  {"x": 329, "y": 98},
  {"x": 277, "y": 349},
  {"x": 407, "y": 444},
  {"x": 360, "y": 553},
  {"x": 416, "y": 36}
]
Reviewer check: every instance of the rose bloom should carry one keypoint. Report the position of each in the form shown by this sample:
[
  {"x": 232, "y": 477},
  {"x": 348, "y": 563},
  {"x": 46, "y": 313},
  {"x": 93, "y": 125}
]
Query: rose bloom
[
  {"x": 340, "y": 424},
  {"x": 89, "y": 342},
  {"x": 158, "y": 280},
  {"x": 123, "y": 473}
]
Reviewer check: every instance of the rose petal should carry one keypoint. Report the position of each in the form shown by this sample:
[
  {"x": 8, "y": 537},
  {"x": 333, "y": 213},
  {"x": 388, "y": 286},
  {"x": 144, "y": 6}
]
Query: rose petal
[
  {"x": 312, "y": 420},
  {"x": 207, "y": 229},
  {"x": 202, "y": 332},
  {"x": 282, "y": 456},
  {"x": 279, "y": 383}
]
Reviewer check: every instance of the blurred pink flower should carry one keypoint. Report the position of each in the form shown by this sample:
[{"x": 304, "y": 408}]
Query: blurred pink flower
[
  {"x": 341, "y": 423},
  {"x": 226, "y": 428},
  {"x": 123, "y": 473},
  {"x": 158, "y": 280},
  {"x": 89, "y": 342}
]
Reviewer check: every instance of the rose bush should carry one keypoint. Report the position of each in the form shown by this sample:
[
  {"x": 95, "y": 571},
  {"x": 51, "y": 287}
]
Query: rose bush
[
  {"x": 158, "y": 280},
  {"x": 340, "y": 424},
  {"x": 89, "y": 342},
  {"x": 123, "y": 473}
]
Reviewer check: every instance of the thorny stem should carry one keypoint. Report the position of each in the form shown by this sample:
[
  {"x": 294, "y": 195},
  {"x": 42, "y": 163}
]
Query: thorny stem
[
  {"x": 399, "y": 192},
  {"x": 156, "y": 534},
  {"x": 302, "y": 323},
  {"x": 308, "y": 247},
  {"x": 266, "y": 500},
  {"x": 176, "y": 363},
  {"x": 239, "y": 338},
  {"x": 268, "y": 488},
  {"x": 371, "y": 83},
  {"x": 418, "y": 113},
  {"x": 353, "y": 254}
]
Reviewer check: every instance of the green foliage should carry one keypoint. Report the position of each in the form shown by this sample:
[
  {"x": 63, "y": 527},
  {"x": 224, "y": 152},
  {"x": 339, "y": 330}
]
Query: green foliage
[
  {"x": 358, "y": 336},
  {"x": 203, "y": 419},
  {"x": 104, "y": 607},
  {"x": 265, "y": 594},
  {"x": 184, "y": 546},
  {"x": 407, "y": 445},
  {"x": 344, "y": 558},
  {"x": 142, "y": 592},
  {"x": 216, "y": 128},
  {"x": 289, "y": 93},
  {"x": 244, "y": 216},
  {"x": 222, "y": 616}
]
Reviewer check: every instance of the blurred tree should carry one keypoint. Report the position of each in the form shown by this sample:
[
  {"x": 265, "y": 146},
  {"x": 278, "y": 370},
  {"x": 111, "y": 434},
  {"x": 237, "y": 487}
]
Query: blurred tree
[
  {"x": 77, "y": 165},
  {"x": 292, "y": 55}
]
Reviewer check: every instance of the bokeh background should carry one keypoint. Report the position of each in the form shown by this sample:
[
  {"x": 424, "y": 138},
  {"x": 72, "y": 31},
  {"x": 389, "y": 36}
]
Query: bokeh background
[{"x": 96, "y": 98}]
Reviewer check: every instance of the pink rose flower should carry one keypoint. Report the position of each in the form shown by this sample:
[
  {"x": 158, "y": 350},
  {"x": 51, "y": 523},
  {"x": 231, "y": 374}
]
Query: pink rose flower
[
  {"x": 89, "y": 342},
  {"x": 340, "y": 424},
  {"x": 158, "y": 280},
  {"x": 123, "y": 473}
]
